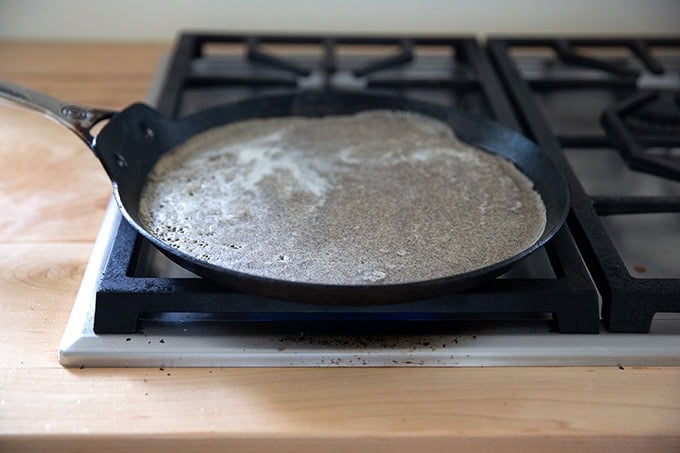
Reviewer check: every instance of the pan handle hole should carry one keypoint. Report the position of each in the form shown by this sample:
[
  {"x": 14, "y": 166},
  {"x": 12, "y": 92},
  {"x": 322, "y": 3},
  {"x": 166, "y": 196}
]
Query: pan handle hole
[
  {"x": 98, "y": 126},
  {"x": 120, "y": 161},
  {"x": 149, "y": 133}
]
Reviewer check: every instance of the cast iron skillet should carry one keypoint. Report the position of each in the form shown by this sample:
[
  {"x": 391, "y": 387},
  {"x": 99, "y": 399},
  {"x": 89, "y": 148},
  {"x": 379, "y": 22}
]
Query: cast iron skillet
[{"x": 133, "y": 140}]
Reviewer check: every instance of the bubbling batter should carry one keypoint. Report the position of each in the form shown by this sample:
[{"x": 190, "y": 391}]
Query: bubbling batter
[{"x": 379, "y": 197}]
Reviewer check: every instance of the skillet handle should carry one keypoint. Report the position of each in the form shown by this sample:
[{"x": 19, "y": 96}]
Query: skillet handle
[{"x": 77, "y": 119}]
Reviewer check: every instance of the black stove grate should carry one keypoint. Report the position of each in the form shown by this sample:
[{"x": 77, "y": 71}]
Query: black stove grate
[
  {"x": 450, "y": 70},
  {"x": 628, "y": 78},
  {"x": 647, "y": 119}
]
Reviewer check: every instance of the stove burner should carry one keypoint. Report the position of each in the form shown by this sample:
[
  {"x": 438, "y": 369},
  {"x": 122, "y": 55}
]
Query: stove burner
[
  {"x": 403, "y": 56},
  {"x": 643, "y": 128},
  {"x": 660, "y": 116}
]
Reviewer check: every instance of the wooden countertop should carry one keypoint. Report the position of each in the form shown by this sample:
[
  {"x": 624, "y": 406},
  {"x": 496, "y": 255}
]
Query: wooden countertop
[{"x": 53, "y": 194}]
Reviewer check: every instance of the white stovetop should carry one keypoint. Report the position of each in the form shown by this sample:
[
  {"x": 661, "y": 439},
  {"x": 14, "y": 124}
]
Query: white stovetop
[
  {"x": 511, "y": 344},
  {"x": 201, "y": 344}
]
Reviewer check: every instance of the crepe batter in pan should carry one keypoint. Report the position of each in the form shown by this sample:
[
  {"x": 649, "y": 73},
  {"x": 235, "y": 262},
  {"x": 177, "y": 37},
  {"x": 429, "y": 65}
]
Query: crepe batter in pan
[{"x": 378, "y": 197}]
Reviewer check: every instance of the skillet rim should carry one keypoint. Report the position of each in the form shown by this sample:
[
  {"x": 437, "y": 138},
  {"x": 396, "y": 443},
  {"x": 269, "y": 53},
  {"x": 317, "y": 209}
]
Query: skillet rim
[{"x": 319, "y": 292}]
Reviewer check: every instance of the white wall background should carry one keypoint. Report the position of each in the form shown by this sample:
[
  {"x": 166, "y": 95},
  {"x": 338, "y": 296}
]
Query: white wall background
[{"x": 160, "y": 20}]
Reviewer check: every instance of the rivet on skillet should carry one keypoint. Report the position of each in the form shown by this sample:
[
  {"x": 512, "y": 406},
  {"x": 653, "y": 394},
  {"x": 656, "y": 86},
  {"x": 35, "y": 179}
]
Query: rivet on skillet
[
  {"x": 149, "y": 134},
  {"x": 74, "y": 113},
  {"x": 120, "y": 161}
]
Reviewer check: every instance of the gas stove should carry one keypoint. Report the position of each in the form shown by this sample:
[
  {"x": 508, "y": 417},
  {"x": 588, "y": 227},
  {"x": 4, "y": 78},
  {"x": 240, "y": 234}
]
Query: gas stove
[{"x": 606, "y": 110}]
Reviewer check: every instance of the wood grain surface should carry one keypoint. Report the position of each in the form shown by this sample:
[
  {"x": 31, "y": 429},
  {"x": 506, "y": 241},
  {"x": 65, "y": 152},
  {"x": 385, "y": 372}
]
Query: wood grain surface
[{"x": 53, "y": 193}]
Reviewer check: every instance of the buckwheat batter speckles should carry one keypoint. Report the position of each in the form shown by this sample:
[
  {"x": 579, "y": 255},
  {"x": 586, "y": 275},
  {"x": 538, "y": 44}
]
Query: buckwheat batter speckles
[{"x": 378, "y": 197}]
